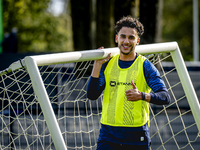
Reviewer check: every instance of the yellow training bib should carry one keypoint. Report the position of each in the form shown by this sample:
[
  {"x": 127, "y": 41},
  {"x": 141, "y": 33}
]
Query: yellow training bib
[{"x": 117, "y": 111}]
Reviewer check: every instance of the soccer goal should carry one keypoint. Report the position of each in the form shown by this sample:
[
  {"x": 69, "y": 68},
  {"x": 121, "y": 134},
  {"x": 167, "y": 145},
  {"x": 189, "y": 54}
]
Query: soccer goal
[{"x": 43, "y": 103}]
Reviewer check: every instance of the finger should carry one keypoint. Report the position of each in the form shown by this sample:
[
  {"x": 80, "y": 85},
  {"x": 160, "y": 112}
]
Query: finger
[
  {"x": 107, "y": 58},
  {"x": 128, "y": 94},
  {"x": 134, "y": 87},
  {"x": 128, "y": 91},
  {"x": 101, "y": 47},
  {"x": 129, "y": 98}
]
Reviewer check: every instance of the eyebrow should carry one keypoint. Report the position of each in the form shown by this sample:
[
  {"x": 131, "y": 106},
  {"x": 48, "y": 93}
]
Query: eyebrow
[
  {"x": 122, "y": 35},
  {"x": 128, "y": 35}
]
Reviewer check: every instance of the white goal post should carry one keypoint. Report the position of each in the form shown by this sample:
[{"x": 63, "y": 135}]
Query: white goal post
[{"x": 32, "y": 63}]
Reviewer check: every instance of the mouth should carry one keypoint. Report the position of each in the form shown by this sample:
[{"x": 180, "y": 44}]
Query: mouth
[{"x": 126, "y": 47}]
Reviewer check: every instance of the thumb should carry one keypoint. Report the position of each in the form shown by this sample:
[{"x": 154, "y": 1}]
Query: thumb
[{"x": 134, "y": 87}]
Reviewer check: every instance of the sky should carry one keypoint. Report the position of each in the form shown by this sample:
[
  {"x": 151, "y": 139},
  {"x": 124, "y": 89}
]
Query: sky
[{"x": 57, "y": 7}]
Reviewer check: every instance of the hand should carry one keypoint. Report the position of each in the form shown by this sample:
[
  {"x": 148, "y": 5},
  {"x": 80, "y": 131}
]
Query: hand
[
  {"x": 101, "y": 61},
  {"x": 133, "y": 94},
  {"x": 97, "y": 65}
]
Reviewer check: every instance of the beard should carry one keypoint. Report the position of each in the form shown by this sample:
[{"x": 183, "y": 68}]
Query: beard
[{"x": 126, "y": 53}]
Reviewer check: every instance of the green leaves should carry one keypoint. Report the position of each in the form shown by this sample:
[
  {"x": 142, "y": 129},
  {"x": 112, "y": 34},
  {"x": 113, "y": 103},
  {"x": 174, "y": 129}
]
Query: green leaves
[{"x": 38, "y": 29}]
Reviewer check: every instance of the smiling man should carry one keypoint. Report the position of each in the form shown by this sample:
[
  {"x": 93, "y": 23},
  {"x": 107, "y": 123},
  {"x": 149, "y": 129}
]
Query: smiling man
[
  {"x": 126, "y": 80},
  {"x": 127, "y": 39}
]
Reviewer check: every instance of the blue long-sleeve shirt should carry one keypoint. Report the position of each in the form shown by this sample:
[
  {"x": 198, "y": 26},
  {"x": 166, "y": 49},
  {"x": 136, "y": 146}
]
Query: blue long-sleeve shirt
[{"x": 159, "y": 96}]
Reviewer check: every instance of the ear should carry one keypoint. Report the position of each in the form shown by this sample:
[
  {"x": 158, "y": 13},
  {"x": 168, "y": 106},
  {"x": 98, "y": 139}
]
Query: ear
[
  {"x": 138, "y": 41},
  {"x": 116, "y": 38}
]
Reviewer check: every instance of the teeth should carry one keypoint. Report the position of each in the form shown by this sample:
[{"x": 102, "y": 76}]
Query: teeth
[{"x": 126, "y": 46}]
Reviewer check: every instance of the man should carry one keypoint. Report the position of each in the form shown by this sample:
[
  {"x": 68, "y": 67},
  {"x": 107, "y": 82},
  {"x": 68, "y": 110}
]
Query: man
[{"x": 127, "y": 80}]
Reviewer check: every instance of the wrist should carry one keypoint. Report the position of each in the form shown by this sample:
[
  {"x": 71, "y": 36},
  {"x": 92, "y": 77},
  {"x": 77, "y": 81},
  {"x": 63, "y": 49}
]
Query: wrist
[
  {"x": 98, "y": 63},
  {"x": 96, "y": 69},
  {"x": 143, "y": 96}
]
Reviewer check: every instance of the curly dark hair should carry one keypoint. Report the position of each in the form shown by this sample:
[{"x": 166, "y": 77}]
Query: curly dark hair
[{"x": 128, "y": 21}]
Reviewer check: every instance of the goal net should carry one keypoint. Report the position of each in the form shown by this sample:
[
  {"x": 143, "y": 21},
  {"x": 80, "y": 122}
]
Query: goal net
[{"x": 43, "y": 103}]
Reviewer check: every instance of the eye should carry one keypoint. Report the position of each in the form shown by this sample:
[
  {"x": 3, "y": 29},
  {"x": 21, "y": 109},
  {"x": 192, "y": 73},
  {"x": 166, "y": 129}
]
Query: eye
[
  {"x": 131, "y": 37},
  {"x": 123, "y": 36}
]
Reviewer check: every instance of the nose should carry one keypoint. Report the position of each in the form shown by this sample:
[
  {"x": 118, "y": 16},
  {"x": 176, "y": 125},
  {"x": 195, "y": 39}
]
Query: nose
[{"x": 126, "y": 40}]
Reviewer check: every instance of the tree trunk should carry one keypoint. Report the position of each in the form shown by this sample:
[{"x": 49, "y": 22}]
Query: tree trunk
[
  {"x": 128, "y": 7},
  {"x": 105, "y": 23},
  {"x": 150, "y": 17},
  {"x": 80, "y": 12},
  {"x": 148, "y": 13},
  {"x": 158, "y": 36}
]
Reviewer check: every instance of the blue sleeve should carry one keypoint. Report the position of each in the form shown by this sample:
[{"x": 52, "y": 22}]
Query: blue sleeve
[
  {"x": 160, "y": 95},
  {"x": 160, "y": 98},
  {"x": 96, "y": 85},
  {"x": 94, "y": 89}
]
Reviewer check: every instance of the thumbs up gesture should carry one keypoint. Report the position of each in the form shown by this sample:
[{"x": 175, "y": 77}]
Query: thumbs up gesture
[{"x": 133, "y": 94}]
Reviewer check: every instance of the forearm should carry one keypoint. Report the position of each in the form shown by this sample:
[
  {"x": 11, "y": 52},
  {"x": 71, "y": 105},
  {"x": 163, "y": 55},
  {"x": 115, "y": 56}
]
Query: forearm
[
  {"x": 160, "y": 98},
  {"x": 96, "y": 69},
  {"x": 98, "y": 64},
  {"x": 155, "y": 82},
  {"x": 94, "y": 89}
]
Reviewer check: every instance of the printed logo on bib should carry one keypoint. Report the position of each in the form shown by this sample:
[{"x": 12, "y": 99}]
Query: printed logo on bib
[{"x": 114, "y": 83}]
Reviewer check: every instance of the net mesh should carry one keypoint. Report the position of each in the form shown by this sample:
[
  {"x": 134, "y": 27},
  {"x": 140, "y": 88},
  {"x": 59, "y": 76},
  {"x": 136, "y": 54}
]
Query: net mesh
[{"x": 23, "y": 126}]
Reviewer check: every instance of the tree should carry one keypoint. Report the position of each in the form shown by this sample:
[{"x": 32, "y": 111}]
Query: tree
[
  {"x": 106, "y": 14},
  {"x": 105, "y": 23},
  {"x": 94, "y": 20},
  {"x": 128, "y": 7},
  {"x": 80, "y": 12},
  {"x": 38, "y": 30},
  {"x": 177, "y": 25},
  {"x": 93, "y": 23},
  {"x": 148, "y": 13}
]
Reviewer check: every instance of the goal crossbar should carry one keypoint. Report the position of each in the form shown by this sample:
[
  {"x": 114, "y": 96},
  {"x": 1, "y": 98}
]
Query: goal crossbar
[{"x": 31, "y": 64}]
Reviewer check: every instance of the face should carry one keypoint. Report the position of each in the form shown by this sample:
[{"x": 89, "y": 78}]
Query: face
[{"x": 127, "y": 39}]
